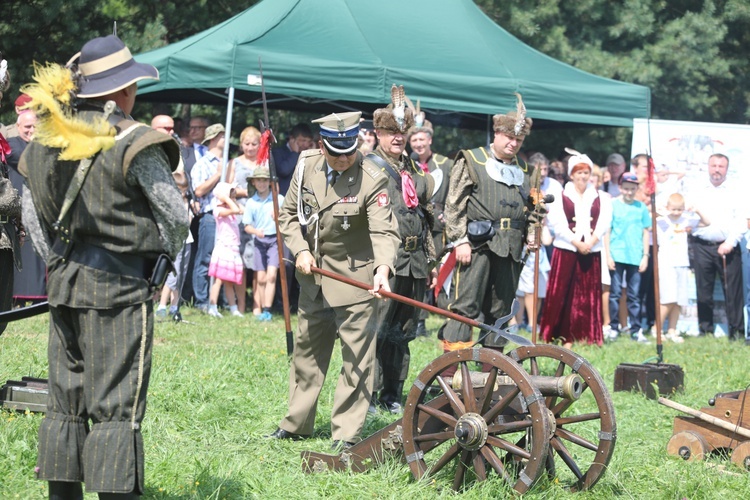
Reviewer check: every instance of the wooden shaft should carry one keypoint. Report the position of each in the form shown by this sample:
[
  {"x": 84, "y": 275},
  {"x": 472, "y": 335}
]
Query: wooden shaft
[
  {"x": 535, "y": 299},
  {"x": 741, "y": 431},
  {"x": 399, "y": 298},
  {"x": 658, "y": 320}
]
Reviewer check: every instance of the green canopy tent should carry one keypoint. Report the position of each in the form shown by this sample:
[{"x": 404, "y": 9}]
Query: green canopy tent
[{"x": 328, "y": 55}]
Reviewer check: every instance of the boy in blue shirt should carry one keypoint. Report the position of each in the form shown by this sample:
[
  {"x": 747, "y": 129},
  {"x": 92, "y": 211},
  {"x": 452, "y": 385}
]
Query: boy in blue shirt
[{"x": 628, "y": 253}]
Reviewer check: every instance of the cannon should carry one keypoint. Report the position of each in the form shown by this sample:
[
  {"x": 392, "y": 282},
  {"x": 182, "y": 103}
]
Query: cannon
[
  {"x": 539, "y": 409},
  {"x": 723, "y": 425},
  {"x": 476, "y": 412}
]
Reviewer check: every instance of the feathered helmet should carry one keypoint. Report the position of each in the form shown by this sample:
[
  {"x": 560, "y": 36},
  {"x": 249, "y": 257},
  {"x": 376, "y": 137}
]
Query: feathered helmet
[
  {"x": 515, "y": 122},
  {"x": 398, "y": 116},
  {"x": 4, "y": 77}
]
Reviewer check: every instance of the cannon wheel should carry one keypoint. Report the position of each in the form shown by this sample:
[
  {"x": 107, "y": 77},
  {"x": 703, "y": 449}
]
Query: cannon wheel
[
  {"x": 584, "y": 437},
  {"x": 741, "y": 456},
  {"x": 688, "y": 445},
  {"x": 476, "y": 427}
]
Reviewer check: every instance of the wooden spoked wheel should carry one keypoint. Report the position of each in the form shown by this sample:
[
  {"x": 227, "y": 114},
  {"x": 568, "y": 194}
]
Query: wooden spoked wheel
[
  {"x": 741, "y": 456},
  {"x": 470, "y": 432},
  {"x": 585, "y": 430},
  {"x": 689, "y": 446}
]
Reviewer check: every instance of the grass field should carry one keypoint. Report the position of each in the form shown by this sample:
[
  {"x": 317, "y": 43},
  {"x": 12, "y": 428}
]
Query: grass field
[{"x": 219, "y": 385}]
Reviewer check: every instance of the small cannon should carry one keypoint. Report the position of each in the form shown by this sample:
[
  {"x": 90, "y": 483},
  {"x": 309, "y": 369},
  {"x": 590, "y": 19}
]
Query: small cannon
[
  {"x": 523, "y": 414},
  {"x": 724, "y": 424},
  {"x": 540, "y": 408}
]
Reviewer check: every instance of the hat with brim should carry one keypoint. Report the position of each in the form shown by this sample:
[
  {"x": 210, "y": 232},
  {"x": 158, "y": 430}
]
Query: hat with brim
[
  {"x": 260, "y": 173},
  {"x": 107, "y": 66},
  {"x": 339, "y": 131},
  {"x": 628, "y": 177},
  {"x": 212, "y": 131}
]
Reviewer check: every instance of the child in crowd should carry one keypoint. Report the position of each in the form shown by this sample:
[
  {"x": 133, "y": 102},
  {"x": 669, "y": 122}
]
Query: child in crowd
[
  {"x": 526, "y": 287},
  {"x": 674, "y": 265},
  {"x": 170, "y": 292},
  {"x": 259, "y": 222},
  {"x": 226, "y": 262},
  {"x": 628, "y": 253}
]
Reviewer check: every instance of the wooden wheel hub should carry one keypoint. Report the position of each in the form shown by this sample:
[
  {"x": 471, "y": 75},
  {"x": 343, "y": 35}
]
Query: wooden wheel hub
[{"x": 471, "y": 431}]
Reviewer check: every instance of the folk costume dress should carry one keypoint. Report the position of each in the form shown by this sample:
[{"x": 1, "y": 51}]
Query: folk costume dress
[{"x": 573, "y": 307}]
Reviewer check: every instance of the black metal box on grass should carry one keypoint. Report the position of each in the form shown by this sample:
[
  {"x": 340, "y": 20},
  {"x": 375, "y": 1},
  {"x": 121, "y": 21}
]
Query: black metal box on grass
[
  {"x": 27, "y": 394},
  {"x": 642, "y": 377}
]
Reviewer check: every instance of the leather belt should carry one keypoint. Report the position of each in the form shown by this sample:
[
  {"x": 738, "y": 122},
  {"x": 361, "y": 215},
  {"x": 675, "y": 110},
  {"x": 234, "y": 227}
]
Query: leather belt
[
  {"x": 507, "y": 223},
  {"x": 104, "y": 260}
]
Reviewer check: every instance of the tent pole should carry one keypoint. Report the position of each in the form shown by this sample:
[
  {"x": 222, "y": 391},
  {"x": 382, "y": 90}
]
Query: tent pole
[{"x": 227, "y": 134}]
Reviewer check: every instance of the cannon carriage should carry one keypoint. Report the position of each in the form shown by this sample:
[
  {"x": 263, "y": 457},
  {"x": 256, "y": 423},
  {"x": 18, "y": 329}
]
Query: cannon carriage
[{"x": 478, "y": 413}]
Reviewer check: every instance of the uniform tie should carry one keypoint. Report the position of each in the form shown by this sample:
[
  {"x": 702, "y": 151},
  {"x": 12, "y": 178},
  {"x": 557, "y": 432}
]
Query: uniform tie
[{"x": 334, "y": 176}]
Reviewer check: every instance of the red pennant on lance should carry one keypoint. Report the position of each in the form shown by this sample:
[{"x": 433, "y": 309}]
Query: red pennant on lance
[
  {"x": 651, "y": 182},
  {"x": 408, "y": 190},
  {"x": 445, "y": 270},
  {"x": 264, "y": 151}
]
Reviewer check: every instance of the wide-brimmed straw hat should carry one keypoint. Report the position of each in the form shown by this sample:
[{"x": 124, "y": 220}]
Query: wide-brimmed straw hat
[{"x": 107, "y": 66}]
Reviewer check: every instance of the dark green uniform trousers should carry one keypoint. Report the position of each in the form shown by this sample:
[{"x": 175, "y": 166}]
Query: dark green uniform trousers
[
  {"x": 486, "y": 286},
  {"x": 99, "y": 369}
]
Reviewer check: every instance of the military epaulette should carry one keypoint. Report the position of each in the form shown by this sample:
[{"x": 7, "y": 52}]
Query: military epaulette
[
  {"x": 309, "y": 153},
  {"x": 439, "y": 159},
  {"x": 371, "y": 169}
]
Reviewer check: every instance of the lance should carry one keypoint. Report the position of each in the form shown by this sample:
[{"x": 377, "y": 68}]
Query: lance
[
  {"x": 265, "y": 126},
  {"x": 537, "y": 198},
  {"x": 651, "y": 187},
  {"x": 495, "y": 329}
]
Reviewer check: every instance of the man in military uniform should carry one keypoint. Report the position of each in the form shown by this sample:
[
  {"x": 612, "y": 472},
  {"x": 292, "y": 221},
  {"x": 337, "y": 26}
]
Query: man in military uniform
[
  {"x": 486, "y": 220},
  {"x": 439, "y": 167},
  {"x": 101, "y": 236},
  {"x": 336, "y": 216},
  {"x": 409, "y": 190}
]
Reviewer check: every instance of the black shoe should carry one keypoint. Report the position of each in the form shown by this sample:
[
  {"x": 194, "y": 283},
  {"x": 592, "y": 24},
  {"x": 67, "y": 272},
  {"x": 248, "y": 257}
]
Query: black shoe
[
  {"x": 422, "y": 330},
  {"x": 280, "y": 433},
  {"x": 339, "y": 445}
]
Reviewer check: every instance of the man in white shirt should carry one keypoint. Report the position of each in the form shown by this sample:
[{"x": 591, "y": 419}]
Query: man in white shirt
[{"x": 715, "y": 249}]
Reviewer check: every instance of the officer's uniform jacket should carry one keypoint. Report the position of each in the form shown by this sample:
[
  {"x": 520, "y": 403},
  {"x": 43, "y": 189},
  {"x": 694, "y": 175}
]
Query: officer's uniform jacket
[
  {"x": 351, "y": 229},
  {"x": 123, "y": 224},
  {"x": 475, "y": 196},
  {"x": 416, "y": 247},
  {"x": 440, "y": 169}
]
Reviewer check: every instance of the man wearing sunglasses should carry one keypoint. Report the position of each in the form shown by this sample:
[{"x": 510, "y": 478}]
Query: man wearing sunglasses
[{"x": 336, "y": 216}]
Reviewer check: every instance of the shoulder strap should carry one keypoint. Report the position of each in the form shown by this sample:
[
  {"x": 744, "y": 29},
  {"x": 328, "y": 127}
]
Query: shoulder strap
[{"x": 385, "y": 166}]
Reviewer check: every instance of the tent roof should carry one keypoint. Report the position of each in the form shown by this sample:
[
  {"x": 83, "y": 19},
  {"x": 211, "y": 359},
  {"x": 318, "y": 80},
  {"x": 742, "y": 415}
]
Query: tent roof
[{"x": 327, "y": 55}]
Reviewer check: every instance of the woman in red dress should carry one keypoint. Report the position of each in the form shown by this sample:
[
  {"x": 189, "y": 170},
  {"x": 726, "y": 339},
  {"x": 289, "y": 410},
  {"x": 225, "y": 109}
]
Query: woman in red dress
[{"x": 573, "y": 309}]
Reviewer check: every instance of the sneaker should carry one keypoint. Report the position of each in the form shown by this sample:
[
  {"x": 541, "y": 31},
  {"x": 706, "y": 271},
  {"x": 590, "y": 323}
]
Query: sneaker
[
  {"x": 237, "y": 314},
  {"x": 214, "y": 313},
  {"x": 674, "y": 337},
  {"x": 609, "y": 333},
  {"x": 264, "y": 316},
  {"x": 640, "y": 338},
  {"x": 160, "y": 314}
]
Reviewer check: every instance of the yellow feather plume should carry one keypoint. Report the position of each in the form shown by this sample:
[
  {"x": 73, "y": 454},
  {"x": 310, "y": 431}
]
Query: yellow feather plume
[{"x": 57, "y": 126}]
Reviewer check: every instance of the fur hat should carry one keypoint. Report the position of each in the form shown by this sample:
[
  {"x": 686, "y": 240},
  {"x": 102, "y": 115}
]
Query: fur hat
[
  {"x": 107, "y": 66},
  {"x": 514, "y": 122},
  {"x": 425, "y": 127},
  {"x": 396, "y": 117}
]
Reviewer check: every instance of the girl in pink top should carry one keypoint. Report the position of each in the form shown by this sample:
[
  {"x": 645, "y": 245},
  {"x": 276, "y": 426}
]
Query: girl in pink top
[{"x": 226, "y": 263}]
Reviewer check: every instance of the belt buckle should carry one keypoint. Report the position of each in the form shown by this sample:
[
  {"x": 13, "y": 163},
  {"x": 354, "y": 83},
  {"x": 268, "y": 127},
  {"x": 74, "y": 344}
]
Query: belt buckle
[
  {"x": 410, "y": 243},
  {"x": 505, "y": 224},
  {"x": 4, "y": 219}
]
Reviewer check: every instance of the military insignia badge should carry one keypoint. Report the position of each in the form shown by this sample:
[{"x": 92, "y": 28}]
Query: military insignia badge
[
  {"x": 382, "y": 199},
  {"x": 348, "y": 199}
]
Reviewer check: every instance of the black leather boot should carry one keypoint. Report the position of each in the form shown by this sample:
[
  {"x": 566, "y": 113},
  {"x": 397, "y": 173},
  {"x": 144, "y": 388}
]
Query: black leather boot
[{"x": 60, "y": 490}]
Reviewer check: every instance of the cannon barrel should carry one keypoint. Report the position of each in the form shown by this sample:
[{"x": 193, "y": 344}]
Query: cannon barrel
[{"x": 569, "y": 386}]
